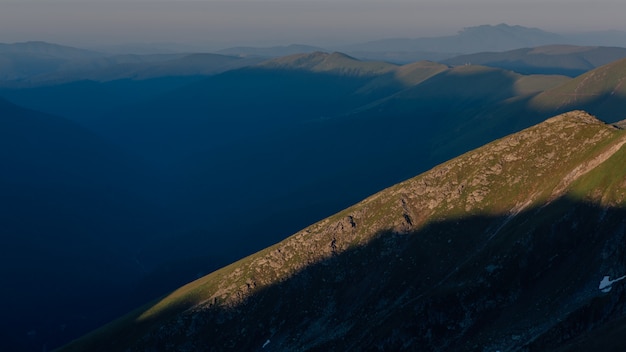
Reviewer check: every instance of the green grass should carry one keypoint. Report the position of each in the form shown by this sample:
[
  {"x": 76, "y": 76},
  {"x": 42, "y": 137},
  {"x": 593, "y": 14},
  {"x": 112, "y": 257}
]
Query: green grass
[
  {"x": 606, "y": 184},
  {"x": 603, "y": 81}
]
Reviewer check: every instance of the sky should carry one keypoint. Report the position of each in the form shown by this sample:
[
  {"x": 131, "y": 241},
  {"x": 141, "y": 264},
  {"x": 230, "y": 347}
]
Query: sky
[{"x": 216, "y": 24}]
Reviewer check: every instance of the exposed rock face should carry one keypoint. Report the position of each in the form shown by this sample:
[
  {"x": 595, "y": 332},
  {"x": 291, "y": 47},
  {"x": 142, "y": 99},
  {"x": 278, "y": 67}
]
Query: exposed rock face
[{"x": 502, "y": 248}]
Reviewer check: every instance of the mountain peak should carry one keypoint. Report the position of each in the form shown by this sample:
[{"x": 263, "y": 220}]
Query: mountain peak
[{"x": 575, "y": 116}]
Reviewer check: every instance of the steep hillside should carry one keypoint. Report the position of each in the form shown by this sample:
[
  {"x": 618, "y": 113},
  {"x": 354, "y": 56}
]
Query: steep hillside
[
  {"x": 403, "y": 77},
  {"x": 267, "y": 150},
  {"x": 552, "y": 59},
  {"x": 461, "y": 108},
  {"x": 502, "y": 248},
  {"x": 327, "y": 108},
  {"x": 601, "y": 91},
  {"x": 462, "y": 88}
]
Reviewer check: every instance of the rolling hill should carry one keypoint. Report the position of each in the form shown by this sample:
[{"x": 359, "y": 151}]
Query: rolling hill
[
  {"x": 460, "y": 108},
  {"x": 566, "y": 60},
  {"x": 600, "y": 91},
  {"x": 36, "y": 64},
  {"x": 143, "y": 67},
  {"x": 507, "y": 247},
  {"x": 19, "y": 61}
]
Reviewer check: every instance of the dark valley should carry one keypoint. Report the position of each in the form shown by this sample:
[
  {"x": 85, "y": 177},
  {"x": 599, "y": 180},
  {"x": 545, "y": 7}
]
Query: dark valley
[{"x": 126, "y": 176}]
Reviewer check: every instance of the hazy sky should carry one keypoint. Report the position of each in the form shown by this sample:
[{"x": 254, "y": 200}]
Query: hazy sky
[{"x": 270, "y": 22}]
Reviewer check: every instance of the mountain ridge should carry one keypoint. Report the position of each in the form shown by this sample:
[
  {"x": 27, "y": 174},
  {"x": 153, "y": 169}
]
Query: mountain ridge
[
  {"x": 570, "y": 60},
  {"x": 499, "y": 186},
  {"x": 274, "y": 51},
  {"x": 336, "y": 62},
  {"x": 471, "y": 39},
  {"x": 601, "y": 91},
  {"x": 407, "y": 140},
  {"x": 50, "y": 49}
]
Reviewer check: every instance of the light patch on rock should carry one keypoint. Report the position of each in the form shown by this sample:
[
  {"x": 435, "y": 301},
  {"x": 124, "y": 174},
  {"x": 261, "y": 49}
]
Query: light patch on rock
[{"x": 606, "y": 284}]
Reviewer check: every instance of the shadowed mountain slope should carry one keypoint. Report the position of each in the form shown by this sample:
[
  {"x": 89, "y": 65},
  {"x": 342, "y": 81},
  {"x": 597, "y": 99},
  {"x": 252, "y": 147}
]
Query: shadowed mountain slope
[
  {"x": 566, "y": 60},
  {"x": 502, "y": 248},
  {"x": 461, "y": 108},
  {"x": 206, "y": 140},
  {"x": 295, "y": 140},
  {"x": 403, "y": 77},
  {"x": 73, "y": 210},
  {"x": 251, "y": 155}
]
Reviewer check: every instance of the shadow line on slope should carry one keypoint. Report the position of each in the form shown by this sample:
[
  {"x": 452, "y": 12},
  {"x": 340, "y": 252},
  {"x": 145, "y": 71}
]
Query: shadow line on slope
[{"x": 441, "y": 287}]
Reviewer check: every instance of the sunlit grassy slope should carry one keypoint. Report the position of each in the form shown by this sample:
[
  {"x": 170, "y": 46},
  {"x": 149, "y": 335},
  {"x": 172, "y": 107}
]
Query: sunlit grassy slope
[
  {"x": 442, "y": 224},
  {"x": 601, "y": 91}
]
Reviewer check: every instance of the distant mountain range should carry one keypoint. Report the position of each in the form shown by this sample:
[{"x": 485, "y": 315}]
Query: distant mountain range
[
  {"x": 38, "y": 63},
  {"x": 403, "y": 50},
  {"x": 470, "y": 40},
  {"x": 511, "y": 246},
  {"x": 47, "y": 49},
  {"x": 275, "y": 51},
  {"x": 478, "y": 39},
  {"x": 25, "y": 60},
  {"x": 485, "y": 38},
  {"x": 34, "y": 63},
  {"x": 167, "y": 178}
]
